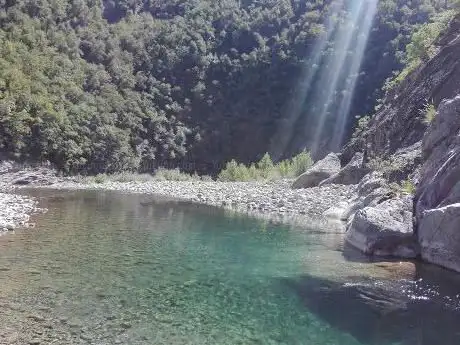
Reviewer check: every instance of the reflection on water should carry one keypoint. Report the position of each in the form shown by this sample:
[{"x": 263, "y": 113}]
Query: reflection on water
[
  {"x": 112, "y": 268},
  {"x": 382, "y": 312}
]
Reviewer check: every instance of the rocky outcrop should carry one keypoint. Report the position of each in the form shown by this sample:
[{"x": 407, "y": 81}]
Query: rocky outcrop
[
  {"x": 437, "y": 201},
  {"x": 402, "y": 143},
  {"x": 385, "y": 229},
  {"x": 351, "y": 173},
  {"x": 379, "y": 221},
  {"x": 16, "y": 174},
  {"x": 400, "y": 121},
  {"x": 320, "y": 171}
]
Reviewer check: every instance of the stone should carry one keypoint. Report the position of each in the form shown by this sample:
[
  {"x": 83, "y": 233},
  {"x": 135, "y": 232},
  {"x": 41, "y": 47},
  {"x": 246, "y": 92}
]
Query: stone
[
  {"x": 371, "y": 182},
  {"x": 352, "y": 173},
  {"x": 385, "y": 229},
  {"x": 439, "y": 236},
  {"x": 399, "y": 123},
  {"x": 338, "y": 211},
  {"x": 372, "y": 190},
  {"x": 437, "y": 200},
  {"x": 321, "y": 170}
]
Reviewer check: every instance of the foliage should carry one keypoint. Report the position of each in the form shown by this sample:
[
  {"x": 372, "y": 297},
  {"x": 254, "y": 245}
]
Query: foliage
[
  {"x": 384, "y": 165},
  {"x": 422, "y": 46},
  {"x": 125, "y": 176},
  {"x": 361, "y": 127},
  {"x": 429, "y": 113},
  {"x": 406, "y": 187},
  {"x": 266, "y": 169},
  {"x": 176, "y": 175},
  {"x": 102, "y": 86}
]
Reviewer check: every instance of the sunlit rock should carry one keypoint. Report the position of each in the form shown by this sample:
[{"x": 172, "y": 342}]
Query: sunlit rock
[{"x": 321, "y": 170}]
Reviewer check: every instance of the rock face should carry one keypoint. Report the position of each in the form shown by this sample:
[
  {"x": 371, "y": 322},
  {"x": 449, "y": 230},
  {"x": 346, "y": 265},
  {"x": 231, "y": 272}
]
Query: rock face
[
  {"x": 399, "y": 140},
  {"x": 399, "y": 123},
  {"x": 16, "y": 174},
  {"x": 321, "y": 170},
  {"x": 352, "y": 173},
  {"x": 385, "y": 229},
  {"x": 380, "y": 222},
  {"x": 437, "y": 201}
]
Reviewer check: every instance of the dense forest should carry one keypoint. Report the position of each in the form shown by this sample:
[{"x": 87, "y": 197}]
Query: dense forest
[{"x": 101, "y": 86}]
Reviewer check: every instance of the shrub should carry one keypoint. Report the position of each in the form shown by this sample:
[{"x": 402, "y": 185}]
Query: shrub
[
  {"x": 100, "y": 178},
  {"x": 429, "y": 113},
  {"x": 384, "y": 165},
  {"x": 405, "y": 187},
  {"x": 163, "y": 174},
  {"x": 266, "y": 169},
  {"x": 422, "y": 46},
  {"x": 299, "y": 164}
]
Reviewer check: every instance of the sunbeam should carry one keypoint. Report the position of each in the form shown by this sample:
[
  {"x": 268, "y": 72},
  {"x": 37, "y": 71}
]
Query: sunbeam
[
  {"x": 334, "y": 71},
  {"x": 353, "y": 73},
  {"x": 316, "y": 115},
  {"x": 309, "y": 72}
]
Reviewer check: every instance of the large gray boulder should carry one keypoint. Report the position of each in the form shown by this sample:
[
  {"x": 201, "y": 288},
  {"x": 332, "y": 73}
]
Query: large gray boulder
[
  {"x": 385, "y": 229},
  {"x": 321, "y": 170},
  {"x": 372, "y": 190},
  {"x": 437, "y": 201},
  {"x": 351, "y": 173},
  {"x": 439, "y": 236}
]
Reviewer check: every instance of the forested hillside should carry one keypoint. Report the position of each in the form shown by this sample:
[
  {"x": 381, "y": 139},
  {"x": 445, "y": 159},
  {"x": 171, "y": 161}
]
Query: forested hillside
[{"x": 100, "y": 86}]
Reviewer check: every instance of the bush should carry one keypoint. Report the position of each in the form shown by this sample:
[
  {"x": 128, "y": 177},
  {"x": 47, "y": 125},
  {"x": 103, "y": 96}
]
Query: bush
[
  {"x": 161, "y": 174},
  {"x": 100, "y": 178},
  {"x": 299, "y": 164},
  {"x": 405, "y": 187},
  {"x": 429, "y": 113},
  {"x": 384, "y": 165},
  {"x": 265, "y": 169},
  {"x": 422, "y": 46}
]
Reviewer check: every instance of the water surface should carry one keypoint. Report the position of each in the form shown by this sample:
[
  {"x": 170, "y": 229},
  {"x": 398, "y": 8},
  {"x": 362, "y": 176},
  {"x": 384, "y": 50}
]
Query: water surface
[{"x": 113, "y": 268}]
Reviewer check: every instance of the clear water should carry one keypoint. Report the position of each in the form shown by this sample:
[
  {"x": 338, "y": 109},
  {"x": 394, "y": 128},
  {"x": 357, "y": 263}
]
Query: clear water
[{"x": 111, "y": 268}]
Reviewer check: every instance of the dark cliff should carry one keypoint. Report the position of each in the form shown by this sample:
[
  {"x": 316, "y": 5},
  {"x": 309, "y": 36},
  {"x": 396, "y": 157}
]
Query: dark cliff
[
  {"x": 415, "y": 140},
  {"x": 400, "y": 122}
]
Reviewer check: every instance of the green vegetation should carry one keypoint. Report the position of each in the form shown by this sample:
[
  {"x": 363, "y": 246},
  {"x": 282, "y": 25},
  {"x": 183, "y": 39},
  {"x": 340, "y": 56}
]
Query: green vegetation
[
  {"x": 405, "y": 187},
  {"x": 361, "y": 127},
  {"x": 429, "y": 113},
  {"x": 99, "y": 86},
  {"x": 265, "y": 169},
  {"x": 384, "y": 165},
  {"x": 422, "y": 46},
  {"x": 160, "y": 175}
]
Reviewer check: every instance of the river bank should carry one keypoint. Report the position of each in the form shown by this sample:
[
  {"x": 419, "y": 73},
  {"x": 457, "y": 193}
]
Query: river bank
[
  {"x": 263, "y": 198},
  {"x": 15, "y": 211},
  {"x": 268, "y": 199}
]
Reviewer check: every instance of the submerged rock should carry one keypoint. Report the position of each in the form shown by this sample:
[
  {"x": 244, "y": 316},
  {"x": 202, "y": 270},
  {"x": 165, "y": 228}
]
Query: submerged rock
[{"x": 321, "y": 170}]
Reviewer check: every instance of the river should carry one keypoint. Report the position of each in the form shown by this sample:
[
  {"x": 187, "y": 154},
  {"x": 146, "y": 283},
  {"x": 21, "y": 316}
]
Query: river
[{"x": 114, "y": 268}]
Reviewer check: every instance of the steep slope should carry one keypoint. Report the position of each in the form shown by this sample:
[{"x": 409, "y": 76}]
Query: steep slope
[
  {"x": 101, "y": 86},
  {"x": 400, "y": 124},
  {"x": 405, "y": 141}
]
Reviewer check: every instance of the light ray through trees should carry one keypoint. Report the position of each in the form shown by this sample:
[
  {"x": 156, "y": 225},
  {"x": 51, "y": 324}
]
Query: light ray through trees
[{"x": 326, "y": 86}]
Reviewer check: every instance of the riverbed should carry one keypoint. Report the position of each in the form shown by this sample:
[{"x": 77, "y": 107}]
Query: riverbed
[{"x": 106, "y": 267}]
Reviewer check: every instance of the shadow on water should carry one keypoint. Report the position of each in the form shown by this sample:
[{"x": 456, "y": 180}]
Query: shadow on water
[
  {"x": 387, "y": 312},
  {"x": 352, "y": 254}
]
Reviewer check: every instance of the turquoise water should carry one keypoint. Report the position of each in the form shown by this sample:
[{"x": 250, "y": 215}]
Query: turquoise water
[{"x": 111, "y": 268}]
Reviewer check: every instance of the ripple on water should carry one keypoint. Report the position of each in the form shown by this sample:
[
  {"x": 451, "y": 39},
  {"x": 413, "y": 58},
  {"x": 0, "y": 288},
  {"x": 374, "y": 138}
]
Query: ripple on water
[{"x": 102, "y": 269}]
